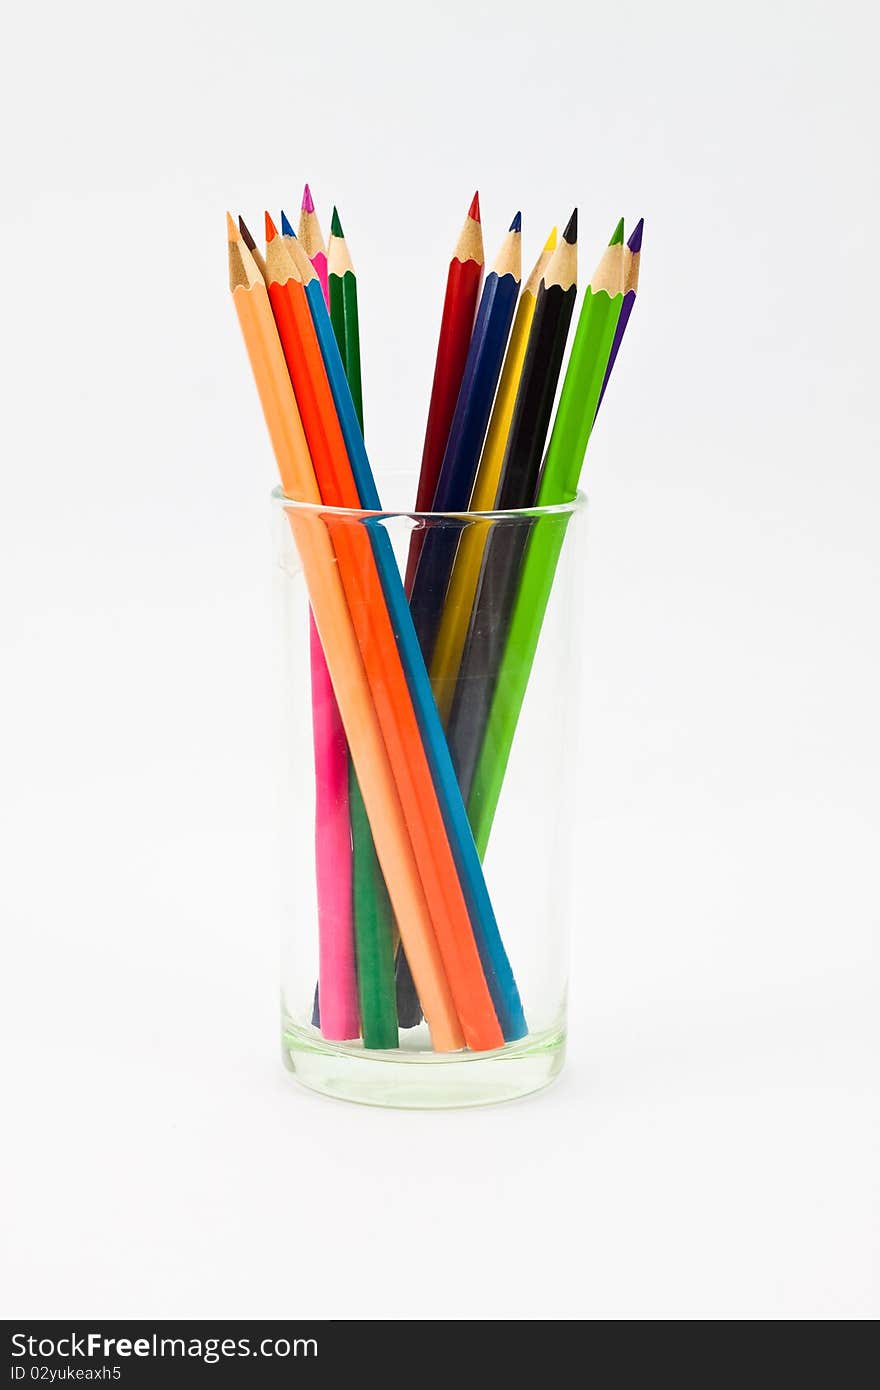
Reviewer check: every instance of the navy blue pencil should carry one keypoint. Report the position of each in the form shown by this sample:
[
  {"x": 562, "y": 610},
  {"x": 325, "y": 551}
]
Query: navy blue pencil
[
  {"x": 630, "y": 287},
  {"x": 468, "y": 430}
]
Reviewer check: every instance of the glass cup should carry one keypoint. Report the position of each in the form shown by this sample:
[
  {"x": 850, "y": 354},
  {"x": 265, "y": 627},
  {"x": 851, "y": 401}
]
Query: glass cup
[{"x": 427, "y": 806}]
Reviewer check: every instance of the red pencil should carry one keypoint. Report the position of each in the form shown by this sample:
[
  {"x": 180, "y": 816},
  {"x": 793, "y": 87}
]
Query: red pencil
[{"x": 459, "y": 307}]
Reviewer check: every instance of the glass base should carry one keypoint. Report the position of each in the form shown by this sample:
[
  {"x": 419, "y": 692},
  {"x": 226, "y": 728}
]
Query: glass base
[{"x": 409, "y": 1080}]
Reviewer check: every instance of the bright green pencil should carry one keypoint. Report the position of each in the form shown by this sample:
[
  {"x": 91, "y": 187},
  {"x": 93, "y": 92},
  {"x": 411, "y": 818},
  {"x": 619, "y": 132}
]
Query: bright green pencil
[
  {"x": 373, "y": 918},
  {"x": 559, "y": 482}
]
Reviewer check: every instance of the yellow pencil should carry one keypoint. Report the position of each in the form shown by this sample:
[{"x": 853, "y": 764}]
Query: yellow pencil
[{"x": 466, "y": 571}]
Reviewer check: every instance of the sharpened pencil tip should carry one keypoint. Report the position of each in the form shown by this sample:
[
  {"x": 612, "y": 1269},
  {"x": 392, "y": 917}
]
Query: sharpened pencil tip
[
  {"x": 271, "y": 229},
  {"x": 308, "y": 202},
  {"x": 617, "y": 238},
  {"x": 335, "y": 224},
  {"x": 231, "y": 228},
  {"x": 286, "y": 229},
  {"x": 635, "y": 241},
  {"x": 550, "y": 243},
  {"x": 516, "y": 224},
  {"x": 571, "y": 232},
  {"x": 474, "y": 209},
  {"x": 245, "y": 234}
]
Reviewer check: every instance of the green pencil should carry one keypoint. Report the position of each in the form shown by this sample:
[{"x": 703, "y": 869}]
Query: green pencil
[
  {"x": 373, "y": 919},
  {"x": 559, "y": 482}
]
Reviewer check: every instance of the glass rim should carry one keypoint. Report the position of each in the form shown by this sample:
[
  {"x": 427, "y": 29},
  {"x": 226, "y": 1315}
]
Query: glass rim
[{"x": 290, "y": 504}]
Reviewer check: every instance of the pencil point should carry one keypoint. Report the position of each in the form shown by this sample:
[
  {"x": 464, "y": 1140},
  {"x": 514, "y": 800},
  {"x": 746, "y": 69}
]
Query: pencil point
[
  {"x": 335, "y": 224},
  {"x": 271, "y": 229},
  {"x": 286, "y": 229},
  {"x": 550, "y": 243},
  {"x": 246, "y": 235},
  {"x": 571, "y": 232},
  {"x": 617, "y": 238},
  {"x": 474, "y": 209},
  {"x": 635, "y": 241},
  {"x": 308, "y": 202},
  {"x": 231, "y": 228},
  {"x": 516, "y": 224}
]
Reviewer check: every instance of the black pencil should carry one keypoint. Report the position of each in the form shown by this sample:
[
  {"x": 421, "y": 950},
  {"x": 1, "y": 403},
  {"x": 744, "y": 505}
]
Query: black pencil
[{"x": 517, "y": 488}]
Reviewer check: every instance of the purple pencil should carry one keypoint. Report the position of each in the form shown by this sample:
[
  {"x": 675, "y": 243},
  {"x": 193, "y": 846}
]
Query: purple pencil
[{"x": 630, "y": 287}]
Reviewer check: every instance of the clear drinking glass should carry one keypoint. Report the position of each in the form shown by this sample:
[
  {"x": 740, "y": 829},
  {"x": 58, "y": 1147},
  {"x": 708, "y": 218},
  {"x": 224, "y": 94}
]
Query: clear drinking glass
[{"x": 517, "y": 809}]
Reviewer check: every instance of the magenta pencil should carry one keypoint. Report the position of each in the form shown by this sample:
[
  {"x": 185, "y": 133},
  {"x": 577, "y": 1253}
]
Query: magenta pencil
[
  {"x": 311, "y": 239},
  {"x": 336, "y": 1007},
  {"x": 337, "y": 980}
]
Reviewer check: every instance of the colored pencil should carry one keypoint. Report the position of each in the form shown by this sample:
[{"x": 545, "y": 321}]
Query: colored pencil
[
  {"x": 466, "y": 435},
  {"x": 252, "y": 246},
  {"x": 559, "y": 482},
  {"x": 334, "y": 847},
  {"x": 335, "y": 1009},
  {"x": 343, "y": 304},
  {"x": 456, "y": 326},
  {"x": 312, "y": 238},
  {"x": 355, "y": 487},
  {"x": 328, "y": 600},
  {"x": 375, "y": 930},
  {"x": 369, "y": 575},
  {"x": 631, "y": 257},
  {"x": 466, "y": 569},
  {"x": 517, "y": 487}
]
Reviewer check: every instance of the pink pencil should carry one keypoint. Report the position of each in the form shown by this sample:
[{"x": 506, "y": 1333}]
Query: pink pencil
[
  {"x": 337, "y": 980},
  {"x": 312, "y": 240}
]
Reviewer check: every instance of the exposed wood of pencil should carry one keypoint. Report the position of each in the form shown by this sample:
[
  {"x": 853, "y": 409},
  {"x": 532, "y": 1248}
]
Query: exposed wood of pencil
[
  {"x": 631, "y": 261},
  {"x": 252, "y": 246},
  {"x": 341, "y": 647},
  {"x": 384, "y": 667},
  {"x": 310, "y": 236},
  {"x": 338, "y": 257}
]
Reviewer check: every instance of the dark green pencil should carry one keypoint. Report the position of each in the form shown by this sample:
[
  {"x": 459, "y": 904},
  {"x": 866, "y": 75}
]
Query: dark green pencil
[{"x": 373, "y": 918}]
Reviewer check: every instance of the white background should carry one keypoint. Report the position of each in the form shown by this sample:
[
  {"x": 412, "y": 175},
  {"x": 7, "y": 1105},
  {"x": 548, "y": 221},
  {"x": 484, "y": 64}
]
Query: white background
[{"x": 712, "y": 1148}]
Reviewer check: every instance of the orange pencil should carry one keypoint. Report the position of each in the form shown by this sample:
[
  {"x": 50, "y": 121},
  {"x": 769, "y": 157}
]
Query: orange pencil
[
  {"x": 350, "y": 684},
  {"x": 385, "y": 671}
]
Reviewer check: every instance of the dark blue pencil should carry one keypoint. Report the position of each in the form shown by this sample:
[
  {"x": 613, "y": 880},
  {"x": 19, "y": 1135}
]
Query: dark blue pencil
[
  {"x": 630, "y": 287},
  {"x": 458, "y": 470}
]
